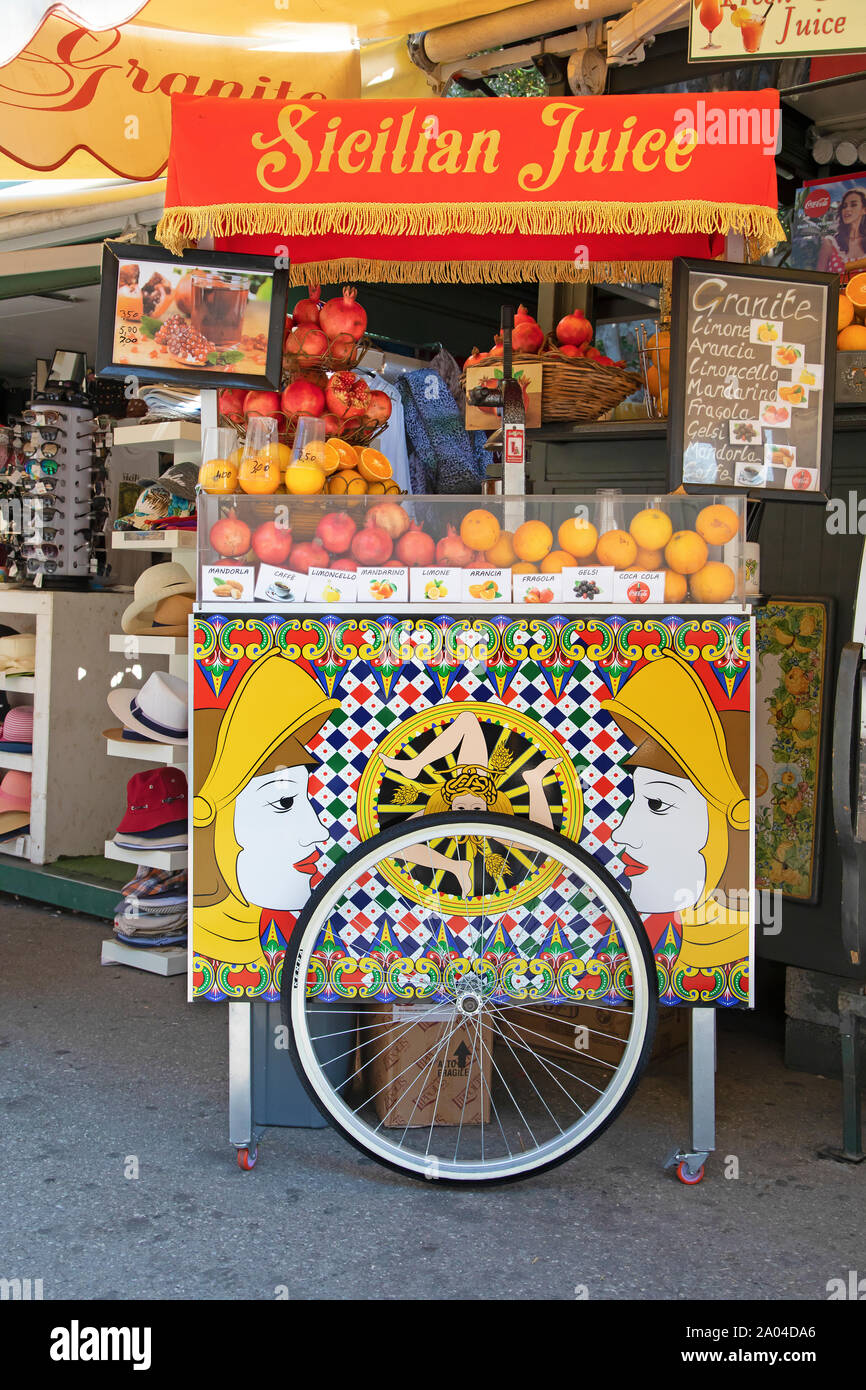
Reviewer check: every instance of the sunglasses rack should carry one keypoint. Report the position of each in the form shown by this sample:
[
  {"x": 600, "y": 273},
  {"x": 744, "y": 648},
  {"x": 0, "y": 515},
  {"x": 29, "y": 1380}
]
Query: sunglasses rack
[{"x": 50, "y": 481}]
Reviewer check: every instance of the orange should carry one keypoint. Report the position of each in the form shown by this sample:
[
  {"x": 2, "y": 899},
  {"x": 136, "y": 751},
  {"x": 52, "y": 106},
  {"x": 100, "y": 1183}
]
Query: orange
[
  {"x": 652, "y": 381},
  {"x": 279, "y": 453},
  {"x": 648, "y": 559},
  {"x": 717, "y": 524},
  {"x": 347, "y": 452},
  {"x": 676, "y": 587},
  {"x": 374, "y": 466},
  {"x": 616, "y": 548},
  {"x": 304, "y": 479},
  {"x": 338, "y": 484},
  {"x": 532, "y": 541},
  {"x": 846, "y": 313},
  {"x": 392, "y": 490},
  {"x": 578, "y": 536},
  {"x": 556, "y": 562},
  {"x": 651, "y": 529},
  {"x": 715, "y": 583},
  {"x": 262, "y": 475},
  {"x": 376, "y": 488},
  {"x": 662, "y": 341},
  {"x": 855, "y": 291},
  {"x": 523, "y": 567},
  {"x": 852, "y": 338},
  {"x": 502, "y": 553},
  {"x": 355, "y": 484},
  {"x": 218, "y": 476},
  {"x": 686, "y": 552},
  {"x": 479, "y": 530}
]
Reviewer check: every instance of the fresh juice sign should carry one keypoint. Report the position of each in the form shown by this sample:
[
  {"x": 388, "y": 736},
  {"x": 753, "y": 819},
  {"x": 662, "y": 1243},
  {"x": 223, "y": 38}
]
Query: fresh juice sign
[{"x": 780, "y": 28}]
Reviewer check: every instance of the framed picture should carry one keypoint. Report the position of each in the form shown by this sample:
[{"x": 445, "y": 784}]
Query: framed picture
[
  {"x": 793, "y": 649},
  {"x": 201, "y": 319},
  {"x": 752, "y": 379}
]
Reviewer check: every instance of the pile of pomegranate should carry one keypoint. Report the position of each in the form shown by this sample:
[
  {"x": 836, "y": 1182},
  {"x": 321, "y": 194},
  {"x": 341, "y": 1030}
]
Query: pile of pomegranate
[
  {"x": 324, "y": 334},
  {"x": 572, "y": 337}
]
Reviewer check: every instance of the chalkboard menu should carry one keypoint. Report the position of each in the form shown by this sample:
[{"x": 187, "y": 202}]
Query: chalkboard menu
[{"x": 752, "y": 378}]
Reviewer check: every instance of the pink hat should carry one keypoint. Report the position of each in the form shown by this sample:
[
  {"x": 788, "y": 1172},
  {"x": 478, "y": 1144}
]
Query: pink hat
[
  {"x": 18, "y": 725},
  {"x": 15, "y": 791}
]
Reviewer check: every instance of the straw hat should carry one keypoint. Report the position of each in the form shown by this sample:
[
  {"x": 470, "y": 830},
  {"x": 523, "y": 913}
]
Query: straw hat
[
  {"x": 160, "y": 602},
  {"x": 18, "y": 654},
  {"x": 158, "y": 710},
  {"x": 15, "y": 791}
]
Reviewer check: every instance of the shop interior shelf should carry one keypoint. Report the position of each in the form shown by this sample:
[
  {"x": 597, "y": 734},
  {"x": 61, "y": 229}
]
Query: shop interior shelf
[
  {"x": 24, "y": 685},
  {"x": 162, "y": 432},
  {"x": 166, "y": 754},
  {"x": 147, "y": 646},
  {"x": 22, "y": 761},
  {"x": 159, "y": 960},
  {"x": 155, "y": 858},
  {"x": 153, "y": 540},
  {"x": 20, "y": 847}
]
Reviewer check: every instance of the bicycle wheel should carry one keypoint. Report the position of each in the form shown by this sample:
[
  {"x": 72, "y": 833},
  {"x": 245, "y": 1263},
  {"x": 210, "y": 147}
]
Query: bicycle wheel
[{"x": 417, "y": 989}]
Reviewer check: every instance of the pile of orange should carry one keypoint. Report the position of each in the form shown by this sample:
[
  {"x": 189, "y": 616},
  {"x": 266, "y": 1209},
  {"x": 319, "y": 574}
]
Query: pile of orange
[
  {"x": 360, "y": 470},
  {"x": 852, "y": 315},
  {"x": 658, "y": 370}
]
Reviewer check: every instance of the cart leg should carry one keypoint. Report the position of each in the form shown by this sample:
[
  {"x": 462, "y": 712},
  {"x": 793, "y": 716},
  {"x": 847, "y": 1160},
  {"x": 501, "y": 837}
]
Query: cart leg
[
  {"x": 852, "y": 1008},
  {"x": 689, "y": 1163},
  {"x": 241, "y": 1130}
]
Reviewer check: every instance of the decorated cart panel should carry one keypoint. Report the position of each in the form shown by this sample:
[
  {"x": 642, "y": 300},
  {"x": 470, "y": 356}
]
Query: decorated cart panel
[{"x": 630, "y": 736}]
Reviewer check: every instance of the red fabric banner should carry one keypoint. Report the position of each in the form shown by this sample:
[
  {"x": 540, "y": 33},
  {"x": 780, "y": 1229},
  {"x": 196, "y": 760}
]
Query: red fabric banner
[{"x": 529, "y": 188}]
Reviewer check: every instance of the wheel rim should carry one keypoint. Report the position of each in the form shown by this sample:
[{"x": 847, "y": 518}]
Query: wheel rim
[{"x": 514, "y": 1103}]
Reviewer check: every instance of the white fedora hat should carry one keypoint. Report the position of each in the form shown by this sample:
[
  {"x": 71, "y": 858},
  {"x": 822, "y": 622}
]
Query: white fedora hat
[
  {"x": 158, "y": 710},
  {"x": 18, "y": 653},
  {"x": 151, "y": 588}
]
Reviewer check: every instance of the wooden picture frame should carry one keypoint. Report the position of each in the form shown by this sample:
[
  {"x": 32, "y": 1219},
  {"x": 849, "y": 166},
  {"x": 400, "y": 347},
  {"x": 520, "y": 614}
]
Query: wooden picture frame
[
  {"x": 145, "y": 289},
  {"x": 737, "y": 421}
]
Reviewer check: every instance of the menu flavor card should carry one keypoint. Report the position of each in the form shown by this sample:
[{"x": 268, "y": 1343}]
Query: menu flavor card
[
  {"x": 587, "y": 584},
  {"x": 227, "y": 583},
  {"x": 639, "y": 586},
  {"x": 331, "y": 586},
  {"x": 486, "y": 586},
  {"x": 378, "y": 584},
  {"x": 536, "y": 588},
  {"x": 435, "y": 584},
  {"x": 751, "y": 348},
  {"x": 275, "y": 585}
]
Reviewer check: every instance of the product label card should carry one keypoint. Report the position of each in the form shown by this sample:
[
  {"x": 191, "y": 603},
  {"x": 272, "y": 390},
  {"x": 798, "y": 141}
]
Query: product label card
[
  {"x": 275, "y": 585},
  {"x": 331, "y": 586},
  {"x": 435, "y": 584},
  {"x": 639, "y": 586},
  {"x": 382, "y": 585},
  {"x": 486, "y": 586},
  {"x": 227, "y": 583},
  {"x": 537, "y": 588},
  {"x": 587, "y": 584}
]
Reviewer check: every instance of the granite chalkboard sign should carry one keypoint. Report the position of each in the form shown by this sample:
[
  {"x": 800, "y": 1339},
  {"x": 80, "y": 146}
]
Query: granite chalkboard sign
[{"x": 752, "y": 379}]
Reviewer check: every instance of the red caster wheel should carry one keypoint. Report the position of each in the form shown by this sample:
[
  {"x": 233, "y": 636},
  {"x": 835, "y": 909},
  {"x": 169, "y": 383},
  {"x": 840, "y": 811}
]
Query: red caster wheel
[
  {"x": 247, "y": 1159},
  {"x": 683, "y": 1173}
]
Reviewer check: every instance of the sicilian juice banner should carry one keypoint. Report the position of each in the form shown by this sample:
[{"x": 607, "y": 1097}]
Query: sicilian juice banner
[
  {"x": 629, "y": 736},
  {"x": 474, "y": 189}
]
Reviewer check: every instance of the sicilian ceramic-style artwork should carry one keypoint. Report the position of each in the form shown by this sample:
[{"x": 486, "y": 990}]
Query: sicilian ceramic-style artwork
[{"x": 627, "y": 736}]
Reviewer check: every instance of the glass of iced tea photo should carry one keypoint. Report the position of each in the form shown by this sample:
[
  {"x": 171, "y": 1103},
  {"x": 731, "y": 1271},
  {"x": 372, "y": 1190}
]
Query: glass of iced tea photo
[{"x": 219, "y": 303}]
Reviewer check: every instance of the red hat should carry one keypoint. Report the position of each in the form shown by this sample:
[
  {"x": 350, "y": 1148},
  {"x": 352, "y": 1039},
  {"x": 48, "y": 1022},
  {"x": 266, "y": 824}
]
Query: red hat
[{"x": 155, "y": 798}]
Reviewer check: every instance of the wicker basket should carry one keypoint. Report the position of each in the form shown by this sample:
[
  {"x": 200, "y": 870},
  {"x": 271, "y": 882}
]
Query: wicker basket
[
  {"x": 295, "y": 365},
  {"x": 574, "y": 388}
]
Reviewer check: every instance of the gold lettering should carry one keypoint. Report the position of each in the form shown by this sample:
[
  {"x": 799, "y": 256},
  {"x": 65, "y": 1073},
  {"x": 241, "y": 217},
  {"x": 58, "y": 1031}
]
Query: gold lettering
[
  {"x": 622, "y": 145},
  {"x": 652, "y": 140},
  {"x": 446, "y": 159},
  {"x": 532, "y": 177},
  {"x": 489, "y": 140},
  {"x": 360, "y": 141},
  {"x": 422, "y": 148},
  {"x": 681, "y": 147},
  {"x": 583, "y": 163},
  {"x": 289, "y": 121},
  {"x": 381, "y": 142},
  {"x": 397, "y": 165},
  {"x": 328, "y": 143}
]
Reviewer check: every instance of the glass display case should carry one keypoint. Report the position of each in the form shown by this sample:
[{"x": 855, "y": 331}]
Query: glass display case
[{"x": 608, "y": 549}]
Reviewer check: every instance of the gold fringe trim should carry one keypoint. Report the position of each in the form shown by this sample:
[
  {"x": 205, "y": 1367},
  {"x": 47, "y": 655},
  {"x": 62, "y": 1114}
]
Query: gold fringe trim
[
  {"x": 348, "y": 271},
  {"x": 180, "y": 227}
]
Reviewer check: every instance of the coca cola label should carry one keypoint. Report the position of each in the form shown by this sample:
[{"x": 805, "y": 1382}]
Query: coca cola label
[
  {"x": 637, "y": 587},
  {"x": 816, "y": 203}
]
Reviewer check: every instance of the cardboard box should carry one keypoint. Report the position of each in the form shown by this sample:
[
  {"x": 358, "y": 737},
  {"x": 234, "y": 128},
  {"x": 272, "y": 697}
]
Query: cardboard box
[
  {"x": 390, "y": 1049},
  {"x": 556, "y": 1029}
]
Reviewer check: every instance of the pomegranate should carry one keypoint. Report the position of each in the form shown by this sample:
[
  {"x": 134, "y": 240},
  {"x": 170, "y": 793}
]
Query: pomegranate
[
  {"x": 303, "y": 397},
  {"x": 593, "y": 354},
  {"x": 335, "y": 531},
  {"x": 342, "y": 348},
  {"x": 347, "y": 396},
  {"x": 183, "y": 294},
  {"x": 308, "y": 553},
  {"x": 574, "y": 328},
  {"x": 272, "y": 543},
  {"x": 345, "y": 563},
  {"x": 569, "y": 350},
  {"x": 230, "y": 536},
  {"x": 307, "y": 310},
  {"x": 332, "y": 425},
  {"x": 343, "y": 315},
  {"x": 391, "y": 517},
  {"x": 371, "y": 545},
  {"x": 526, "y": 335},
  {"x": 379, "y": 407},
  {"x": 496, "y": 351},
  {"x": 451, "y": 551},
  {"x": 231, "y": 403},
  {"x": 476, "y": 357},
  {"x": 262, "y": 403},
  {"x": 416, "y": 547},
  {"x": 307, "y": 341}
]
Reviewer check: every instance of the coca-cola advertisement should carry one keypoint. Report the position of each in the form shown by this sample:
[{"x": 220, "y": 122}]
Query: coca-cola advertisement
[{"x": 828, "y": 229}]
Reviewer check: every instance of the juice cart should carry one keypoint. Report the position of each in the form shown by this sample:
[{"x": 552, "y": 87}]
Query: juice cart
[{"x": 468, "y": 813}]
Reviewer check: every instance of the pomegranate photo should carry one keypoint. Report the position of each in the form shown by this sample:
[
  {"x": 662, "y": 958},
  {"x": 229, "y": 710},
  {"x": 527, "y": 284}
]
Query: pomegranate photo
[
  {"x": 379, "y": 407},
  {"x": 335, "y": 531},
  {"x": 230, "y": 536},
  {"x": 347, "y": 396},
  {"x": 575, "y": 328},
  {"x": 371, "y": 545},
  {"x": 262, "y": 403},
  {"x": 343, "y": 315},
  {"x": 231, "y": 403},
  {"x": 306, "y": 554},
  {"x": 303, "y": 397},
  {"x": 452, "y": 551},
  {"x": 416, "y": 547},
  {"x": 307, "y": 310},
  {"x": 391, "y": 517},
  {"x": 272, "y": 543}
]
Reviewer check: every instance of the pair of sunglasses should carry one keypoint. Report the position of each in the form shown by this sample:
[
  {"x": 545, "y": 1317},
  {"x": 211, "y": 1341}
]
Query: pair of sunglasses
[
  {"x": 44, "y": 434},
  {"x": 36, "y": 417},
  {"x": 42, "y": 566},
  {"x": 48, "y": 451}
]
